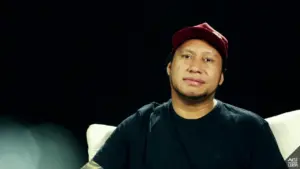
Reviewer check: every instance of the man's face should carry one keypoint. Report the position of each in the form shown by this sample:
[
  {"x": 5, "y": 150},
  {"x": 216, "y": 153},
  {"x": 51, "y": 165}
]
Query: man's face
[{"x": 196, "y": 70}]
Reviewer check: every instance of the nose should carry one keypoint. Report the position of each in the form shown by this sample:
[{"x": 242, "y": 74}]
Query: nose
[{"x": 196, "y": 67}]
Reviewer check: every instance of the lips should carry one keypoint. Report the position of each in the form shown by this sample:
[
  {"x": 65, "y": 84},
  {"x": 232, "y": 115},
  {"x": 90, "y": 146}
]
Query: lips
[{"x": 194, "y": 81}]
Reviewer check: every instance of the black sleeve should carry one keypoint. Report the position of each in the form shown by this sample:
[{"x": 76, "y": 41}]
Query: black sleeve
[
  {"x": 265, "y": 152},
  {"x": 113, "y": 154}
]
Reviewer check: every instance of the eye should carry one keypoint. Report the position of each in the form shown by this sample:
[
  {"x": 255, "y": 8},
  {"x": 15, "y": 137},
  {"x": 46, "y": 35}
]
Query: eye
[
  {"x": 208, "y": 60},
  {"x": 186, "y": 56}
]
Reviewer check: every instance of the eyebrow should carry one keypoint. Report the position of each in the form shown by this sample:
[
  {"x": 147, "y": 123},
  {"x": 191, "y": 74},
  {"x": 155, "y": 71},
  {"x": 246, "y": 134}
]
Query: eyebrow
[
  {"x": 188, "y": 50},
  {"x": 194, "y": 53}
]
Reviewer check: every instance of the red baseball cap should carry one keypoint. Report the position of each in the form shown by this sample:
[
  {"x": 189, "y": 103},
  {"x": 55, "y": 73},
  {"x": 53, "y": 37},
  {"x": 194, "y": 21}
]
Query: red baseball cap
[{"x": 202, "y": 31}]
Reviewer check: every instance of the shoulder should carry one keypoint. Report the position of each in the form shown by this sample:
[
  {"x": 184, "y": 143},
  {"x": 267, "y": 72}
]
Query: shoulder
[
  {"x": 248, "y": 124},
  {"x": 141, "y": 117},
  {"x": 241, "y": 116},
  {"x": 141, "y": 113}
]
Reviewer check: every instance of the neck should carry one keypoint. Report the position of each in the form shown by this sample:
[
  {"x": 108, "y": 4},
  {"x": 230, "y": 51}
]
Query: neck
[{"x": 192, "y": 109}]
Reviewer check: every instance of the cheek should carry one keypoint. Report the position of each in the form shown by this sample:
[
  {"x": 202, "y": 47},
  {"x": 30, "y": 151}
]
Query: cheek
[
  {"x": 215, "y": 76},
  {"x": 177, "y": 71}
]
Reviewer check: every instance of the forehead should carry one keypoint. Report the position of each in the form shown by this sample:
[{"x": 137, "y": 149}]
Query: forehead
[{"x": 196, "y": 46}]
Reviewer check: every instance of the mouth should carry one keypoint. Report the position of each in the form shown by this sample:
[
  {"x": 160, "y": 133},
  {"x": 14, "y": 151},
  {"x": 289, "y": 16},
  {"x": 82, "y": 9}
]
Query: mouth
[{"x": 194, "y": 81}]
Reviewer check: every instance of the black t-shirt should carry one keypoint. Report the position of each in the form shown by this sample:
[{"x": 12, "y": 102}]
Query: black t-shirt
[{"x": 157, "y": 138}]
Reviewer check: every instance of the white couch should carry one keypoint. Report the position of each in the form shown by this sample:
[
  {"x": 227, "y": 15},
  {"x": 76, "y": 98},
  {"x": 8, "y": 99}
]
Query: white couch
[
  {"x": 96, "y": 135},
  {"x": 285, "y": 127}
]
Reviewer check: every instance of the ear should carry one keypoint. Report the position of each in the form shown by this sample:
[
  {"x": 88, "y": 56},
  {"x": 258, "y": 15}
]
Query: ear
[
  {"x": 221, "y": 79},
  {"x": 169, "y": 68}
]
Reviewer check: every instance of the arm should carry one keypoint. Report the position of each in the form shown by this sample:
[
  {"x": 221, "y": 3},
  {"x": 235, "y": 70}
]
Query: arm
[{"x": 265, "y": 151}]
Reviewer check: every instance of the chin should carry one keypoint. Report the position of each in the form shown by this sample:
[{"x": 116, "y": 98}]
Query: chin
[
  {"x": 190, "y": 92},
  {"x": 193, "y": 95}
]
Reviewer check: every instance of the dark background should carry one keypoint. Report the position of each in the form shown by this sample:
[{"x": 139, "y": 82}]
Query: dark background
[{"x": 77, "y": 63}]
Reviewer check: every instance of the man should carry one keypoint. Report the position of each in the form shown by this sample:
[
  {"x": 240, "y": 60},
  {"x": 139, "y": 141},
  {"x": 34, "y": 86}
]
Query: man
[{"x": 192, "y": 130}]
